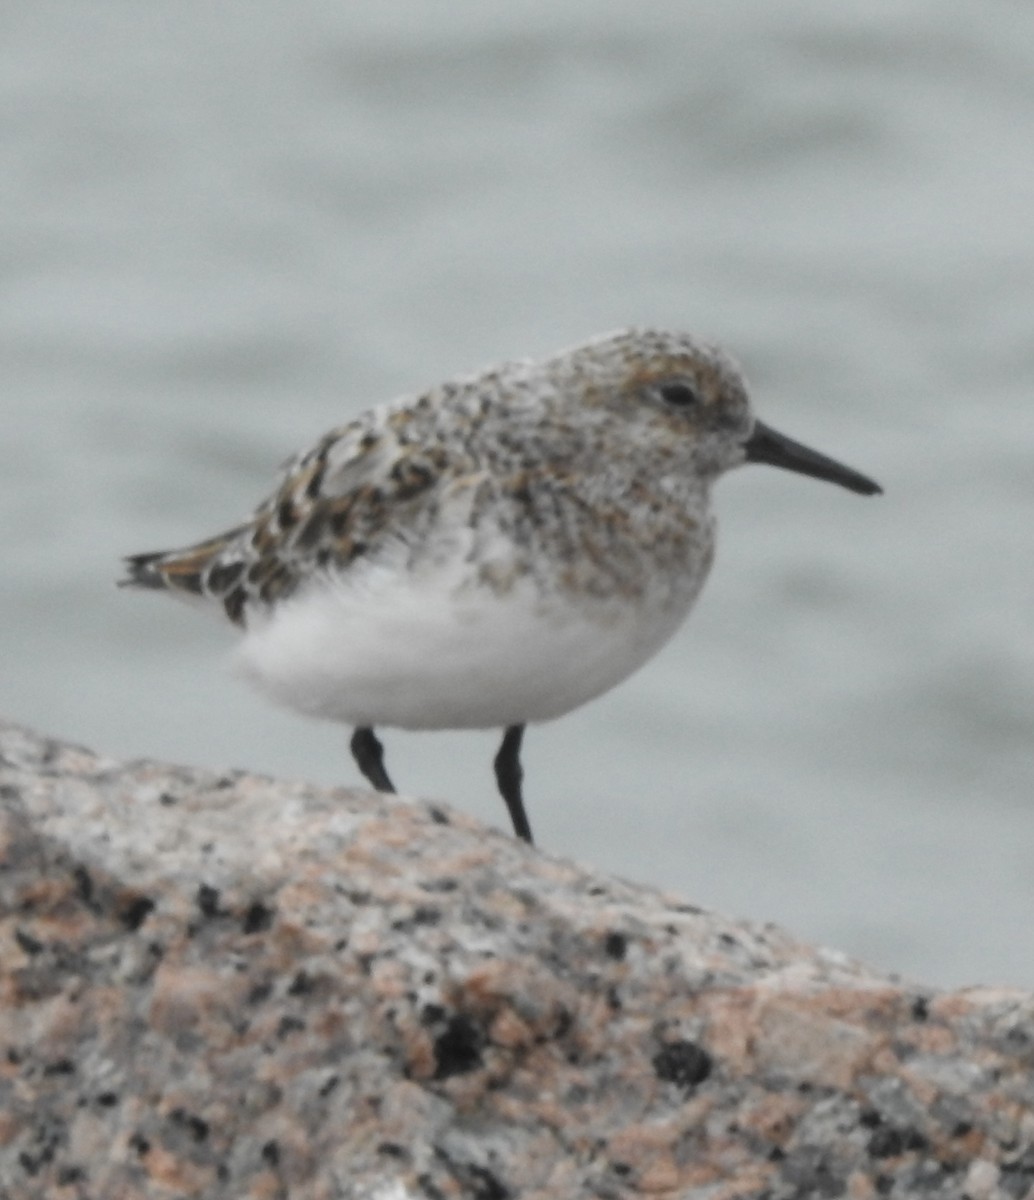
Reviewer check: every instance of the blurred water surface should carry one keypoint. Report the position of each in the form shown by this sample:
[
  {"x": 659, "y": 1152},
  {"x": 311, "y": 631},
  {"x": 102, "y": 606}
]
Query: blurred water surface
[{"x": 225, "y": 228}]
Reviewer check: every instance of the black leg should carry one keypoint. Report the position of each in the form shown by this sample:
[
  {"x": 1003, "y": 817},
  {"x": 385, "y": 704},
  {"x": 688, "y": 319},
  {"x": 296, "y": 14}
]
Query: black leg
[
  {"x": 508, "y": 775},
  {"x": 369, "y": 755}
]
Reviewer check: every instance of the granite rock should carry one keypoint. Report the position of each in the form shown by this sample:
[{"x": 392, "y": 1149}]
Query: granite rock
[{"x": 231, "y": 986}]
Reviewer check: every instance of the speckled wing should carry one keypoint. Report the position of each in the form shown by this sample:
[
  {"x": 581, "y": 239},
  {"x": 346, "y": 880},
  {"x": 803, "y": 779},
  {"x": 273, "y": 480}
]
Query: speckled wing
[{"x": 333, "y": 504}]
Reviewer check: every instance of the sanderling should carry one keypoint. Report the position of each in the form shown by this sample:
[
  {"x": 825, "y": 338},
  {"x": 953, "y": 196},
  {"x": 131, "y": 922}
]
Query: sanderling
[{"x": 493, "y": 552}]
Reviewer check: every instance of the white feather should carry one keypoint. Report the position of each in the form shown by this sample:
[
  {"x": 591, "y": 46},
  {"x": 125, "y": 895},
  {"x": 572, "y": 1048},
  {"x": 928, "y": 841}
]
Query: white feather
[{"x": 445, "y": 651}]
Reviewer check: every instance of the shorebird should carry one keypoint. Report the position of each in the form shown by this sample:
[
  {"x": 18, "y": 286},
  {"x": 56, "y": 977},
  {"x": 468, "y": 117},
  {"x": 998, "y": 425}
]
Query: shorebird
[{"x": 493, "y": 552}]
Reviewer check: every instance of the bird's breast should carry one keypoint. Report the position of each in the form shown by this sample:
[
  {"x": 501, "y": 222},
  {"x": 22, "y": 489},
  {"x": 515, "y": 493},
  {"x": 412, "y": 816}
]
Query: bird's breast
[{"x": 634, "y": 545}]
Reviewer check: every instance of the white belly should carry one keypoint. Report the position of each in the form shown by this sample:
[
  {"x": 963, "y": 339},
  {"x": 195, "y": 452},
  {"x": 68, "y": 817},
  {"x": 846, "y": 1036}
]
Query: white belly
[{"x": 417, "y": 654}]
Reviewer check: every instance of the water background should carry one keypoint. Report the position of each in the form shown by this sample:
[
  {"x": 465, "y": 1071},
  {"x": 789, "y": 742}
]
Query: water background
[{"x": 226, "y": 228}]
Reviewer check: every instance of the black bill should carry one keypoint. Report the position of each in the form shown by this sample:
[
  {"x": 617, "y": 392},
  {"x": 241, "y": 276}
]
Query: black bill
[{"x": 766, "y": 446}]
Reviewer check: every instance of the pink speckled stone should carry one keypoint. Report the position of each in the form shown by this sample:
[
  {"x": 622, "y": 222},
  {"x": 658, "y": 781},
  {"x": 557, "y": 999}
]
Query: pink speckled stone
[{"x": 234, "y": 987}]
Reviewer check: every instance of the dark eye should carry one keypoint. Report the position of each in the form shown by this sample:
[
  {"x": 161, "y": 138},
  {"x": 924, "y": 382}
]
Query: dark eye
[{"x": 679, "y": 395}]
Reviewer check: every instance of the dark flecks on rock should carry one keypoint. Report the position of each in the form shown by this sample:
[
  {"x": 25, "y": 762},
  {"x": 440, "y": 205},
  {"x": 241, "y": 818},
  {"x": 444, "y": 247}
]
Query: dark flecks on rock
[
  {"x": 301, "y": 984},
  {"x": 423, "y": 914},
  {"x": 257, "y": 918},
  {"x": 438, "y": 815},
  {"x": 475, "y": 1179},
  {"x": 107, "y": 1099},
  {"x": 195, "y": 1126},
  {"x": 483, "y": 1184},
  {"x": 271, "y": 1153},
  {"x": 920, "y": 1008},
  {"x": 136, "y": 911},
  {"x": 328, "y": 1085},
  {"x": 32, "y": 946},
  {"x": 260, "y": 992},
  {"x": 431, "y": 1014},
  {"x": 430, "y": 1189},
  {"x": 391, "y": 1150},
  {"x": 289, "y": 1025},
  {"x": 934, "y": 1179},
  {"x": 564, "y": 1021},
  {"x": 457, "y": 1050},
  {"x": 208, "y": 901},
  {"x": 45, "y": 1136},
  {"x": 810, "y": 1172},
  {"x": 1018, "y": 1038},
  {"x": 439, "y": 885},
  {"x": 888, "y": 1142},
  {"x": 84, "y": 886},
  {"x": 1018, "y": 1175},
  {"x": 60, "y": 1066},
  {"x": 683, "y": 1063},
  {"x": 32, "y": 1164},
  {"x": 140, "y": 1144},
  {"x": 616, "y": 945}
]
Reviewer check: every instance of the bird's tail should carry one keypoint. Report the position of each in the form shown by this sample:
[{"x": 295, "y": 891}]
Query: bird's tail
[{"x": 190, "y": 572}]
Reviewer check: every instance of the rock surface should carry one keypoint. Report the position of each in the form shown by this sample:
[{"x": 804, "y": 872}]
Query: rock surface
[{"x": 230, "y": 986}]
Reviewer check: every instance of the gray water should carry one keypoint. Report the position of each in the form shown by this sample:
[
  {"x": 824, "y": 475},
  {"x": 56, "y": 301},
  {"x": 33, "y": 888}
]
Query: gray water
[{"x": 225, "y": 228}]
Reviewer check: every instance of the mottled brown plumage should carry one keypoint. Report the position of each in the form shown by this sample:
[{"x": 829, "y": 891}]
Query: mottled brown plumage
[{"x": 497, "y": 550}]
